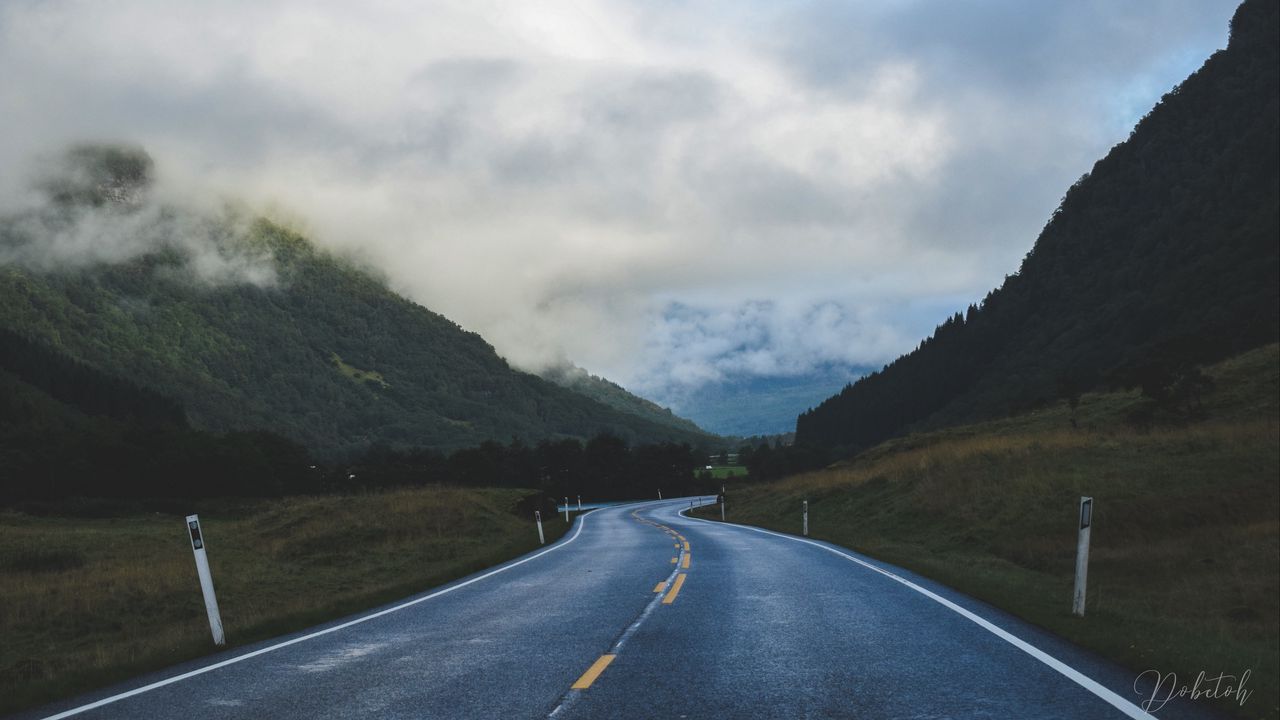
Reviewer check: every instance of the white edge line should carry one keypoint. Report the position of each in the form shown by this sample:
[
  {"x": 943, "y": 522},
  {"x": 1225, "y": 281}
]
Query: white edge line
[
  {"x": 326, "y": 631},
  {"x": 1121, "y": 704}
]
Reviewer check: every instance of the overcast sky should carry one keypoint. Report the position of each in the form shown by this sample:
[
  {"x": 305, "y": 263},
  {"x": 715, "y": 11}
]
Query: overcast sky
[{"x": 663, "y": 193}]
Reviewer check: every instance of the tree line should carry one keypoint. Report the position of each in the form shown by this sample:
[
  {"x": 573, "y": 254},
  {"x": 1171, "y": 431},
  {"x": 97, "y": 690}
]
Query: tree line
[{"x": 69, "y": 430}]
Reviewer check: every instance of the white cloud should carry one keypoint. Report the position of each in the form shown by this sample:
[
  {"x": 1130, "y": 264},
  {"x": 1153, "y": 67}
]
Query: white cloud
[{"x": 662, "y": 194}]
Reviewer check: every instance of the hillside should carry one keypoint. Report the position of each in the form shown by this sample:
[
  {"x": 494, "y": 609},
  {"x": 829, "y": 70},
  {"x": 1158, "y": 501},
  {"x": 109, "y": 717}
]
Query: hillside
[
  {"x": 250, "y": 327},
  {"x": 1183, "y": 561},
  {"x": 609, "y": 393},
  {"x": 70, "y": 430},
  {"x": 1163, "y": 257}
]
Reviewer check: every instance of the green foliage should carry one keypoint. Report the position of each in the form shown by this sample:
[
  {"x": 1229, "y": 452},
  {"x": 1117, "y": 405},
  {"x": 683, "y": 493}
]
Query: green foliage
[
  {"x": 1165, "y": 253},
  {"x": 367, "y": 376},
  {"x": 69, "y": 432},
  {"x": 282, "y": 356}
]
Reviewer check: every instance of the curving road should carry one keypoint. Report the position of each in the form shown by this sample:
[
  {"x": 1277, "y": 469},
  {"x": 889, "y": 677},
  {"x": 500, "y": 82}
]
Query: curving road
[{"x": 640, "y": 612}]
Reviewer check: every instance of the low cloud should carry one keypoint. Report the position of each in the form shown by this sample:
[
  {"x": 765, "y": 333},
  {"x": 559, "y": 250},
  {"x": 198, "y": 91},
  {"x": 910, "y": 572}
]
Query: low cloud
[
  {"x": 97, "y": 205},
  {"x": 658, "y": 193}
]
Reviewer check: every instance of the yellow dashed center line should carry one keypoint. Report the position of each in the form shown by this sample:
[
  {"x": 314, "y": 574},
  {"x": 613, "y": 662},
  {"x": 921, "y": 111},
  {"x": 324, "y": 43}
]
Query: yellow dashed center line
[
  {"x": 674, "y": 560},
  {"x": 675, "y": 590},
  {"x": 593, "y": 672},
  {"x": 660, "y": 586}
]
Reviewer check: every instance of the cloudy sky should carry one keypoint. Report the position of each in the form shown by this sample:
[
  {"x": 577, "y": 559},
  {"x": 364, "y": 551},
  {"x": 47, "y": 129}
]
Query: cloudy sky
[{"x": 667, "y": 194}]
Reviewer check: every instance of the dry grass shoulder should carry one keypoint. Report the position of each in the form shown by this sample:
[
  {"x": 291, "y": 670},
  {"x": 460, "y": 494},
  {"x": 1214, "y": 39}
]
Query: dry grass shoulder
[
  {"x": 84, "y": 602},
  {"x": 1185, "y": 562}
]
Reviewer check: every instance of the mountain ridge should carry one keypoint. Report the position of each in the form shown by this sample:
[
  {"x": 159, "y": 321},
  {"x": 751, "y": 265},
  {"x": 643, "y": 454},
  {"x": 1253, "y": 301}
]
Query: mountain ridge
[{"x": 250, "y": 326}]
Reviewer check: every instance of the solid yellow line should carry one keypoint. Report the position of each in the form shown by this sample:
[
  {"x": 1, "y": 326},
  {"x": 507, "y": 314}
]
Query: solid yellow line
[
  {"x": 675, "y": 590},
  {"x": 660, "y": 586},
  {"x": 593, "y": 672},
  {"x": 685, "y": 564}
]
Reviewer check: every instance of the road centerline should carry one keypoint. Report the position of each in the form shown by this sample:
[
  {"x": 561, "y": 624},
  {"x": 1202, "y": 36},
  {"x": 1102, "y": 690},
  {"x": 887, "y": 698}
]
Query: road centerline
[
  {"x": 675, "y": 590},
  {"x": 594, "y": 671}
]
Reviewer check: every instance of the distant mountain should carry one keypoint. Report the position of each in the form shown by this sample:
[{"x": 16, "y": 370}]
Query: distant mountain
[
  {"x": 250, "y": 327},
  {"x": 1164, "y": 256},
  {"x": 761, "y": 405}
]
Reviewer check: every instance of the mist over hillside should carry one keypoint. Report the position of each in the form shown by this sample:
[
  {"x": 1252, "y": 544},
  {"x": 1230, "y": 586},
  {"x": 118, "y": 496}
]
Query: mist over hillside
[{"x": 251, "y": 327}]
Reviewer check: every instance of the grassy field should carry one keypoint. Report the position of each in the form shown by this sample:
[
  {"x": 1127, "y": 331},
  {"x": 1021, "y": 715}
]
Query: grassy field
[
  {"x": 1184, "y": 568},
  {"x": 84, "y": 602},
  {"x": 726, "y": 472}
]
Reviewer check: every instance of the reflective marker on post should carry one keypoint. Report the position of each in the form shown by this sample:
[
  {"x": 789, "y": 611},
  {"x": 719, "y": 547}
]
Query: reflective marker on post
[
  {"x": 537, "y": 515},
  {"x": 1082, "y": 556},
  {"x": 206, "y": 579}
]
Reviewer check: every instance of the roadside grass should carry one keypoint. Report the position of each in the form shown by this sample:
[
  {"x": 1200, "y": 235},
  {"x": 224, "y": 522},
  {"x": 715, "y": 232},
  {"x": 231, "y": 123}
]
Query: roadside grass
[
  {"x": 85, "y": 602},
  {"x": 728, "y": 472},
  {"x": 1184, "y": 570}
]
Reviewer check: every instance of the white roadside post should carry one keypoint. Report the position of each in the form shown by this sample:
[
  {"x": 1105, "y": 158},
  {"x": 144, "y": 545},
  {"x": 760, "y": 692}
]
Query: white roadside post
[
  {"x": 806, "y": 518},
  {"x": 206, "y": 580},
  {"x": 1082, "y": 556},
  {"x": 579, "y": 503},
  {"x": 721, "y": 503},
  {"x": 659, "y": 493},
  {"x": 537, "y": 515},
  {"x": 566, "y": 508}
]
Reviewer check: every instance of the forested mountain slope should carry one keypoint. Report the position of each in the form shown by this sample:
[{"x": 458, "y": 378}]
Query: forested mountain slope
[
  {"x": 1164, "y": 256},
  {"x": 614, "y": 395},
  {"x": 250, "y": 327}
]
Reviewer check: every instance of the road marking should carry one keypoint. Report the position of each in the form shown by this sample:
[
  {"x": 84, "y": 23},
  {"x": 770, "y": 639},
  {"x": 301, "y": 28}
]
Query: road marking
[
  {"x": 675, "y": 560},
  {"x": 1084, "y": 681},
  {"x": 660, "y": 586},
  {"x": 675, "y": 590},
  {"x": 685, "y": 564},
  {"x": 686, "y": 546},
  {"x": 677, "y": 546},
  {"x": 593, "y": 672},
  {"x": 581, "y": 522}
]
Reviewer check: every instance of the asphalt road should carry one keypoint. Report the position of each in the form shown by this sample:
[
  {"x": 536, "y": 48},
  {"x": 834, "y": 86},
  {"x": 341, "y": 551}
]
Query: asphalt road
[{"x": 604, "y": 624}]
